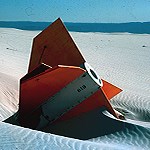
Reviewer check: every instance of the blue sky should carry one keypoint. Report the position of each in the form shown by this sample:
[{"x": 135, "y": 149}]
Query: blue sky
[{"x": 75, "y": 10}]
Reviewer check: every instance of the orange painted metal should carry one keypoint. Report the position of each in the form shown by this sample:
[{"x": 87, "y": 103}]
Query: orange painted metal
[
  {"x": 36, "y": 90},
  {"x": 54, "y": 46},
  {"x": 110, "y": 90}
]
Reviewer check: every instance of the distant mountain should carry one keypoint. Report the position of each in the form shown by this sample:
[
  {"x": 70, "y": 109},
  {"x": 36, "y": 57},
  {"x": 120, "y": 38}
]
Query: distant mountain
[{"x": 132, "y": 27}]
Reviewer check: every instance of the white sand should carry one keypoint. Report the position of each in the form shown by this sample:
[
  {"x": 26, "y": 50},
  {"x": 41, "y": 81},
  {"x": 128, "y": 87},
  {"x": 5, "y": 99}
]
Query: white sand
[{"x": 122, "y": 59}]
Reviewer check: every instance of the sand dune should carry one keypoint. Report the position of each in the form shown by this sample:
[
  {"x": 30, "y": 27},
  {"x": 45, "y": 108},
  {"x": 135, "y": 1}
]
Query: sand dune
[
  {"x": 134, "y": 136},
  {"x": 122, "y": 59},
  {"x": 14, "y": 137},
  {"x": 8, "y": 95}
]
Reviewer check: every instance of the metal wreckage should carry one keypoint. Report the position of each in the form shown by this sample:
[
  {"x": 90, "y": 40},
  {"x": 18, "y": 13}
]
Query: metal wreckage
[{"x": 61, "y": 93}]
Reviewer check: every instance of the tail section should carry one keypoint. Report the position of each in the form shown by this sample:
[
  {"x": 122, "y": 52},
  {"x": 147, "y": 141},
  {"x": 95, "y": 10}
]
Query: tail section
[{"x": 56, "y": 88}]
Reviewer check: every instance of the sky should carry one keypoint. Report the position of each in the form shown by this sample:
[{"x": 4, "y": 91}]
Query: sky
[{"x": 90, "y": 11}]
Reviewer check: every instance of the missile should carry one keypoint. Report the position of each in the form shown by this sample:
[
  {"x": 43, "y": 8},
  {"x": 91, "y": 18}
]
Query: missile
[{"x": 60, "y": 84}]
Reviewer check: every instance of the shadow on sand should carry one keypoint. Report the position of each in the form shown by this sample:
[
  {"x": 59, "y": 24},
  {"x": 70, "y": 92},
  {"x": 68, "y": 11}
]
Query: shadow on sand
[{"x": 88, "y": 125}]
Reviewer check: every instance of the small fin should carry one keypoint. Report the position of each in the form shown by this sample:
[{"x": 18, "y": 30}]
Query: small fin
[{"x": 110, "y": 90}]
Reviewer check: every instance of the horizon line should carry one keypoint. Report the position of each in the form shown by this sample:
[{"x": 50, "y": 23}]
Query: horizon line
[{"x": 81, "y": 22}]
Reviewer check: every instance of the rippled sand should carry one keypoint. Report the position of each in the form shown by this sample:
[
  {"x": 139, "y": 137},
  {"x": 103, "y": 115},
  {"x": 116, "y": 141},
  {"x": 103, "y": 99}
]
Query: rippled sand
[{"x": 122, "y": 59}]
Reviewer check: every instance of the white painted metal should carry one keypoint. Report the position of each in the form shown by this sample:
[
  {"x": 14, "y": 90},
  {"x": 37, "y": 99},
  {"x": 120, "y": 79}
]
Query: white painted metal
[{"x": 93, "y": 74}]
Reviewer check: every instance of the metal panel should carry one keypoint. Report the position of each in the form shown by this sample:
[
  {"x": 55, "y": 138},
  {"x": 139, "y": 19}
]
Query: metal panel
[
  {"x": 70, "y": 96},
  {"x": 35, "y": 91}
]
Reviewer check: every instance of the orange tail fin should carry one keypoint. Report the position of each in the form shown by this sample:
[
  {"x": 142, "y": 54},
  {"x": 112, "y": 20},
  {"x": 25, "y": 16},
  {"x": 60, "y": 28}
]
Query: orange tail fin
[{"x": 54, "y": 46}]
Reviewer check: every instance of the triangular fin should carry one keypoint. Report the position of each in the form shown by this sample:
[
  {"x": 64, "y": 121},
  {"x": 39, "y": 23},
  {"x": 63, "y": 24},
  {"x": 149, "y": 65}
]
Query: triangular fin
[
  {"x": 110, "y": 90},
  {"x": 54, "y": 46}
]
